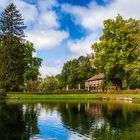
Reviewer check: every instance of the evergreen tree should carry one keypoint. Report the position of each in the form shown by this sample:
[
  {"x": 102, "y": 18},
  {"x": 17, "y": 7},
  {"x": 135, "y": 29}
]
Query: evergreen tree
[{"x": 12, "y": 48}]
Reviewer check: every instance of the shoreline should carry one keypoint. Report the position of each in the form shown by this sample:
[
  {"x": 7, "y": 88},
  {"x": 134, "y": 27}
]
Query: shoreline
[{"x": 102, "y": 96}]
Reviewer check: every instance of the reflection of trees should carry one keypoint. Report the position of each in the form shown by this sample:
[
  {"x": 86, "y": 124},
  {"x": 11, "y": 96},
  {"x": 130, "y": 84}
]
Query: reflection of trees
[
  {"x": 16, "y": 125},
  {"x": 121, "y": 124},
  {"x": 11, "y": 122},
  {"x": 30, "y": 120},
  {"x": 77, "y": 117},
  {"x": 102, "y": 121},
  {"x": 120, "y": 117},
  {"x": 50, "y": 106}
]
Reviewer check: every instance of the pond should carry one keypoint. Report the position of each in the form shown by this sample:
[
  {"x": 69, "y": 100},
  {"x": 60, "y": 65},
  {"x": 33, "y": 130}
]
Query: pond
[{"x": 69, "y": 121}]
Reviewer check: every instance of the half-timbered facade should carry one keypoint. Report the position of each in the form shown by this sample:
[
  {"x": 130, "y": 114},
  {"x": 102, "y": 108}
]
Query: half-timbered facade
[{"x": 94, "y": 83}]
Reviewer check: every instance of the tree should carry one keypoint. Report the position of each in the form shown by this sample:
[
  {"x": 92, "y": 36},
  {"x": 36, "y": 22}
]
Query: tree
[
  {"x": 18, "y": 66},
  {"x": 86, "y": 68},
  {"x": 49, "y": 83},
  {"x": 118, "y": 49},
  {"x": 32, "y": 65},
  {"x": 76, "y": 71},
  {"x": 69, "y": 73},
  {"x": 12, "y": 52}
]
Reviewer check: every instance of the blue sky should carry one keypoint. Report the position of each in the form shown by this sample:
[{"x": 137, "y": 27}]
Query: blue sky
[{"x": 65, "y": 29}]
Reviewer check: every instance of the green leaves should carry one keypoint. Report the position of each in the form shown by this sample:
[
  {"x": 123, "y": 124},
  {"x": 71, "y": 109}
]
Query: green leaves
[
  {"x": 76, "y": 71},
  {"x": 16, "y": 60},
  {"x": 118, "y": 48}
]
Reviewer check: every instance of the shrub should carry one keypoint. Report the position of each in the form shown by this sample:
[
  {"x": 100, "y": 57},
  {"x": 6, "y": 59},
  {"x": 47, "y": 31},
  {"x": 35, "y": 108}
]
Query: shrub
[
  {"x": 137, "y": 91},
  {"x": 2, "y": 93},
  {"x": 129, "y": 91},
  {"x": 114, "y": 91},
  {"x": 58, "y": 91},
  {"x": 38, "y": 93},
  {"x": 70, "y": 91}
]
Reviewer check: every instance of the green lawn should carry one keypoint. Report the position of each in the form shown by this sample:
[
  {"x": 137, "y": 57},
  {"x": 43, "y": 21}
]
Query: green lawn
[{"x": 72, "y": 96}]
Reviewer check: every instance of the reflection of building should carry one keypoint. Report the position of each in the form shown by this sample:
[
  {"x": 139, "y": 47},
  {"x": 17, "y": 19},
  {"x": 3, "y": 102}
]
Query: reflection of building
[
  {"x": 94, "y": 83},
  {"x": 94, "y": 111}
]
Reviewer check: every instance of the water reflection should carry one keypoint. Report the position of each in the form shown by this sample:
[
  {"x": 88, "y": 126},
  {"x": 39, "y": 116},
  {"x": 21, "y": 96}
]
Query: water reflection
[
  {"x": 17, "y": 124},
  {"x": 69, "y": 121}
]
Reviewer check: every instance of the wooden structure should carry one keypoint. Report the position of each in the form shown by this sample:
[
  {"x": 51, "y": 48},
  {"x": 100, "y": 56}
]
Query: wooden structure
[{"x": 94, "y": 83}]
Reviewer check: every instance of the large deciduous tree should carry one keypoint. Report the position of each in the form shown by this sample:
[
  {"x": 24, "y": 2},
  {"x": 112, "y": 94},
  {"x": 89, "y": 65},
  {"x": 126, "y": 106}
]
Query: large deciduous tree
[
  {"x": 32, "y": 64},
  {"x": 118, "y": 52}
]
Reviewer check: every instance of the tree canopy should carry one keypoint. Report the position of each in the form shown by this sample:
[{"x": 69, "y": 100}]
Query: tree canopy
[
  {"x": 76, "y": 71},
  {"x": 118, "y": 52}
]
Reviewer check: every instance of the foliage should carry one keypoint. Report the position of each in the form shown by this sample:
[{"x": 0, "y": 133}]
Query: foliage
[
  {"x": 49, "y": 83},
  {"x": 32, "y": 63},
  {"x": 73, "y": 75},
  {"x": 16, "y": 60},
  {"x": 123, "y": 92},
  {"x": 2, "y": 93},
  {"x": 104, "y": 85},
  {"x": 70, "y": 91},
  {"x": 76, "y": 71},
  {"x": 31, "y": 79},
  {"x": 118, "y": 52},
  {"x": 134, "y": 84},
  {"x": 11, "y": 48}
]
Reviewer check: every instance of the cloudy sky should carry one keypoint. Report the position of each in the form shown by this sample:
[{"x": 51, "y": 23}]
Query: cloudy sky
[{"x": 65, "y": 29}]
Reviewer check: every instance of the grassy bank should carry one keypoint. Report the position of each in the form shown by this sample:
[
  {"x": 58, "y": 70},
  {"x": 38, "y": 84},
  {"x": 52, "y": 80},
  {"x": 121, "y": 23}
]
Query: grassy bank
[{"x": 73, "y": 96}]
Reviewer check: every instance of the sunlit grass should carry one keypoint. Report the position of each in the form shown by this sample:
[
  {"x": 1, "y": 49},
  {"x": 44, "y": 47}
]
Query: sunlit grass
[{"x": 73, "y": 96}]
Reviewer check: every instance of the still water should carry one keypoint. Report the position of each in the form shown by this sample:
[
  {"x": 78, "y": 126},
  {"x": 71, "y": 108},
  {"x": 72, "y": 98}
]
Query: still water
[{"x": 69, "y": 121}]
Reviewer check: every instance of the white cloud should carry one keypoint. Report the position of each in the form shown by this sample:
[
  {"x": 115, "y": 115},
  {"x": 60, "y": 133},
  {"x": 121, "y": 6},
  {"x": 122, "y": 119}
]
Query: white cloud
[
  {"x": 52, "y": 68},
  {"x": 47, "y": 20},
  {"x": 47, "y": 16},
  {"x": 3, "y": 4},
  {"x": 91, "y": 18},
  {"x": 46, "y": 39},
  {"x": 28, "y": 11},
  {"x": 82, "y": 46},
  {"x": 45, "y": 33},
  {"x": 46, "y": 4}
]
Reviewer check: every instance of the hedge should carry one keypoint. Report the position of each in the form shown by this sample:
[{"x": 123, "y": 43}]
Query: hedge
[
  {"x": 76, "y": 91},
  {"x": 136, "y": 91},
  {"x": 71, "y": 91}
]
